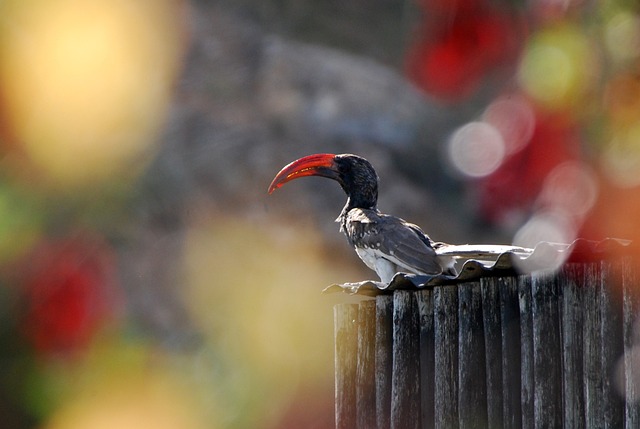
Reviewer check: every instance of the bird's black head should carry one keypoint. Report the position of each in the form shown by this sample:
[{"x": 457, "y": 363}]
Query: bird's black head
[
  {"x": 354, "y": 173},
  {"x": 358, "y": 179}
]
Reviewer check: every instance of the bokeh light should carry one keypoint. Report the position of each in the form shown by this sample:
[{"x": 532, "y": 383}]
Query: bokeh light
[
  {"x": 622, "y": 99},
  {"x": 547, "y": 225},
  {"x": 558, "y": 67},
  {"x": 84, "y": 86},
  {"x": 144, "y": 401},
  {"x": 514, "y": 118},
  {"x": 621, "y": 158},
  {"x": 569, "y": 192},
  {"x": 571, "y": 187},
  {"x": 462, "y": 44},
  {"x": 69, "y": 293},
  {"x": 622, "y": 35},
  {"x": 476, "y": 149}
]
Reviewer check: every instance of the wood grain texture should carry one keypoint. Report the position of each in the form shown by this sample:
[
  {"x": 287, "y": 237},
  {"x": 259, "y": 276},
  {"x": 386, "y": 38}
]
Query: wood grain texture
[
  {"x": 405, "y": 379},
  {"x": 571, "y": 282},
  {"x": 592, "y": 339},
  {"x": 547, "y": 362},
  {"x": 427, "y": 358},
  {"x": 612, "y": 347},
  {"x": 346, "y": 340},
  {"x": 492, "y": 325},
  {"x": 384, "y": 359},
  {"x": 446, "y": 357},
  {"x": 526, "y": 352},
  {"x": 631, "y": 340},
  {"x": 472, "y": 392},
  {"x": 510, "y": 335},
  {"x": 366, "y": 366}
]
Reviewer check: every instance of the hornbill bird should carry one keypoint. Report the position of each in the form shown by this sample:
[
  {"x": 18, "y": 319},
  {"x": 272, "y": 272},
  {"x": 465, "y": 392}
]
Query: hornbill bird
[{"x": 385, "y": 243}]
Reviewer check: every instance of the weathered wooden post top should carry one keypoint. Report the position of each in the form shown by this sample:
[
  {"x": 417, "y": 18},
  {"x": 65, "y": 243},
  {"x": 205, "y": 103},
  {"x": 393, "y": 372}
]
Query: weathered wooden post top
[{"x": 493, "y": 347}]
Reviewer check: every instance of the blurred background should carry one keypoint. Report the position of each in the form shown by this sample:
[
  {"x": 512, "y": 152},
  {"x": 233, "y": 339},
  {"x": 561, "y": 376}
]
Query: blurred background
[{"x": 146, "y": 278}]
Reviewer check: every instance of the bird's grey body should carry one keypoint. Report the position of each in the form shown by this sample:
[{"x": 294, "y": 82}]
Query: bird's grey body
[{"x": 388, "y": 244}]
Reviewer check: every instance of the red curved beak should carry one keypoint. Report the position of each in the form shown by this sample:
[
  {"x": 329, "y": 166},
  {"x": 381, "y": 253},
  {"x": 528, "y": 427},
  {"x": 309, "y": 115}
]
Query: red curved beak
[{"x": 320, "y": 164}]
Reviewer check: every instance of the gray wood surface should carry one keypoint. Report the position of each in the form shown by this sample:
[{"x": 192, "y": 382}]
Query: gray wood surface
[
  {"x": 511, "y": 370},
  {"x": 492, "y": 325},
  {"x": 366, "y": 366},
  {"x": 384, "y": 359},
  {"x": 526, "y": 352},
  {"x": 446, "y": 357},
  {"x": 472, "y": 380},
  {"x": 571, "y": 281},
  {"x": 346, "y": 335},
  {"x": 533, "y": 351},
  {"x": 546, "y": 351},
  {"x": 405, "y": 378},
  {"x": 427, "y": 358}
]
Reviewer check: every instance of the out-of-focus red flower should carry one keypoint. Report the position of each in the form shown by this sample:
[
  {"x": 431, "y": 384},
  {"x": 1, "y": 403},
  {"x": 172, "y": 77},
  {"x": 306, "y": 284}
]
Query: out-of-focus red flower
[
  {"x": 515, "y": 186},
  {"x": 68, "y": 293},
  {"x": 461, "y": 42}
]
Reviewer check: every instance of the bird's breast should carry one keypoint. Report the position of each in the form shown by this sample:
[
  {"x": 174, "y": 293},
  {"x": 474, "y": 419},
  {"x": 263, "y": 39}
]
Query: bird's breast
[{"x": 368, "y": 256}]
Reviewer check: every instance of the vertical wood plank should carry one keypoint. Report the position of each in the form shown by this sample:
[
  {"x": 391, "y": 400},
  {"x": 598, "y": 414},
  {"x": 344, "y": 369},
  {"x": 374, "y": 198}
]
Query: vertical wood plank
[
  {"x": 526, "y": 351},
  {"x": 446, "y": 357},
  {"x": 346, "y": 340},
  {"x": 492, "y": 322},
  {"x": 427, "y": 358},
  {"x": 472, "y": 392},
  {"x": 592, "y": 339},
  {"x": 611, "y": 348},
  {"x": 365, "y": 369},
  {"x": 546, "y": 351},
  {"x": 571, "y": 281},
  {"x": 511, "y": 368},
  {"x": 384, "y": 359},
  {"x": 405, "y": 387},
  {"x": 631, "y": 344}
]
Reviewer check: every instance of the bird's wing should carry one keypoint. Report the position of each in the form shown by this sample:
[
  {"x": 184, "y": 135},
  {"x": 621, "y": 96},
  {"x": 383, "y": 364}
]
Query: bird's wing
[{"x": 400, "y": 242}]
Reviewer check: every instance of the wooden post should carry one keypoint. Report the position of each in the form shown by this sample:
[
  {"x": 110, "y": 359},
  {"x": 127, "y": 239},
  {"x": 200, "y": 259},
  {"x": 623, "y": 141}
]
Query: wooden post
[
  {"x": 526, "y": 352},
  {"x": 366, "y": 366},
  {"x": 511, "y": 351},
  {"x": 630, "y": 334},
  {"x": 384, "y": 359},
  {"x": 472, "y": 396},
  {"x": 445, "y": 316},
  {"x": 405, "y": 377},
  {"x": 610, "y": 290},
  {"x": 570, "y": 282},
  {"x": 546, "y": 352},
  {"x": 492, "y": 325},
  {"x": 592, "y": 360},
  {"x": 346, "y": 336},
  {"x": 427, "y": 358},
  {"x": 531, "y": 351}
]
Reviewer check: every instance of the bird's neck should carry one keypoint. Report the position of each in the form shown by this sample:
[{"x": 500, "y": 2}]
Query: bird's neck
[
  {"x": 354, "y": 204},
  {"x": 360, "y": 203}
]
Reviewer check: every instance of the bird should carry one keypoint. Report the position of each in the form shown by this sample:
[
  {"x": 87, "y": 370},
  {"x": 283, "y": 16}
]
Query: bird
[{"x": 386, "y": 244}]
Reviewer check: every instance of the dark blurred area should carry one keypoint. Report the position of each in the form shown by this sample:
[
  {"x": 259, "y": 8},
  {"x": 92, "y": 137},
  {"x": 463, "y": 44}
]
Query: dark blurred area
[{"x": 149, "y": 281}]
